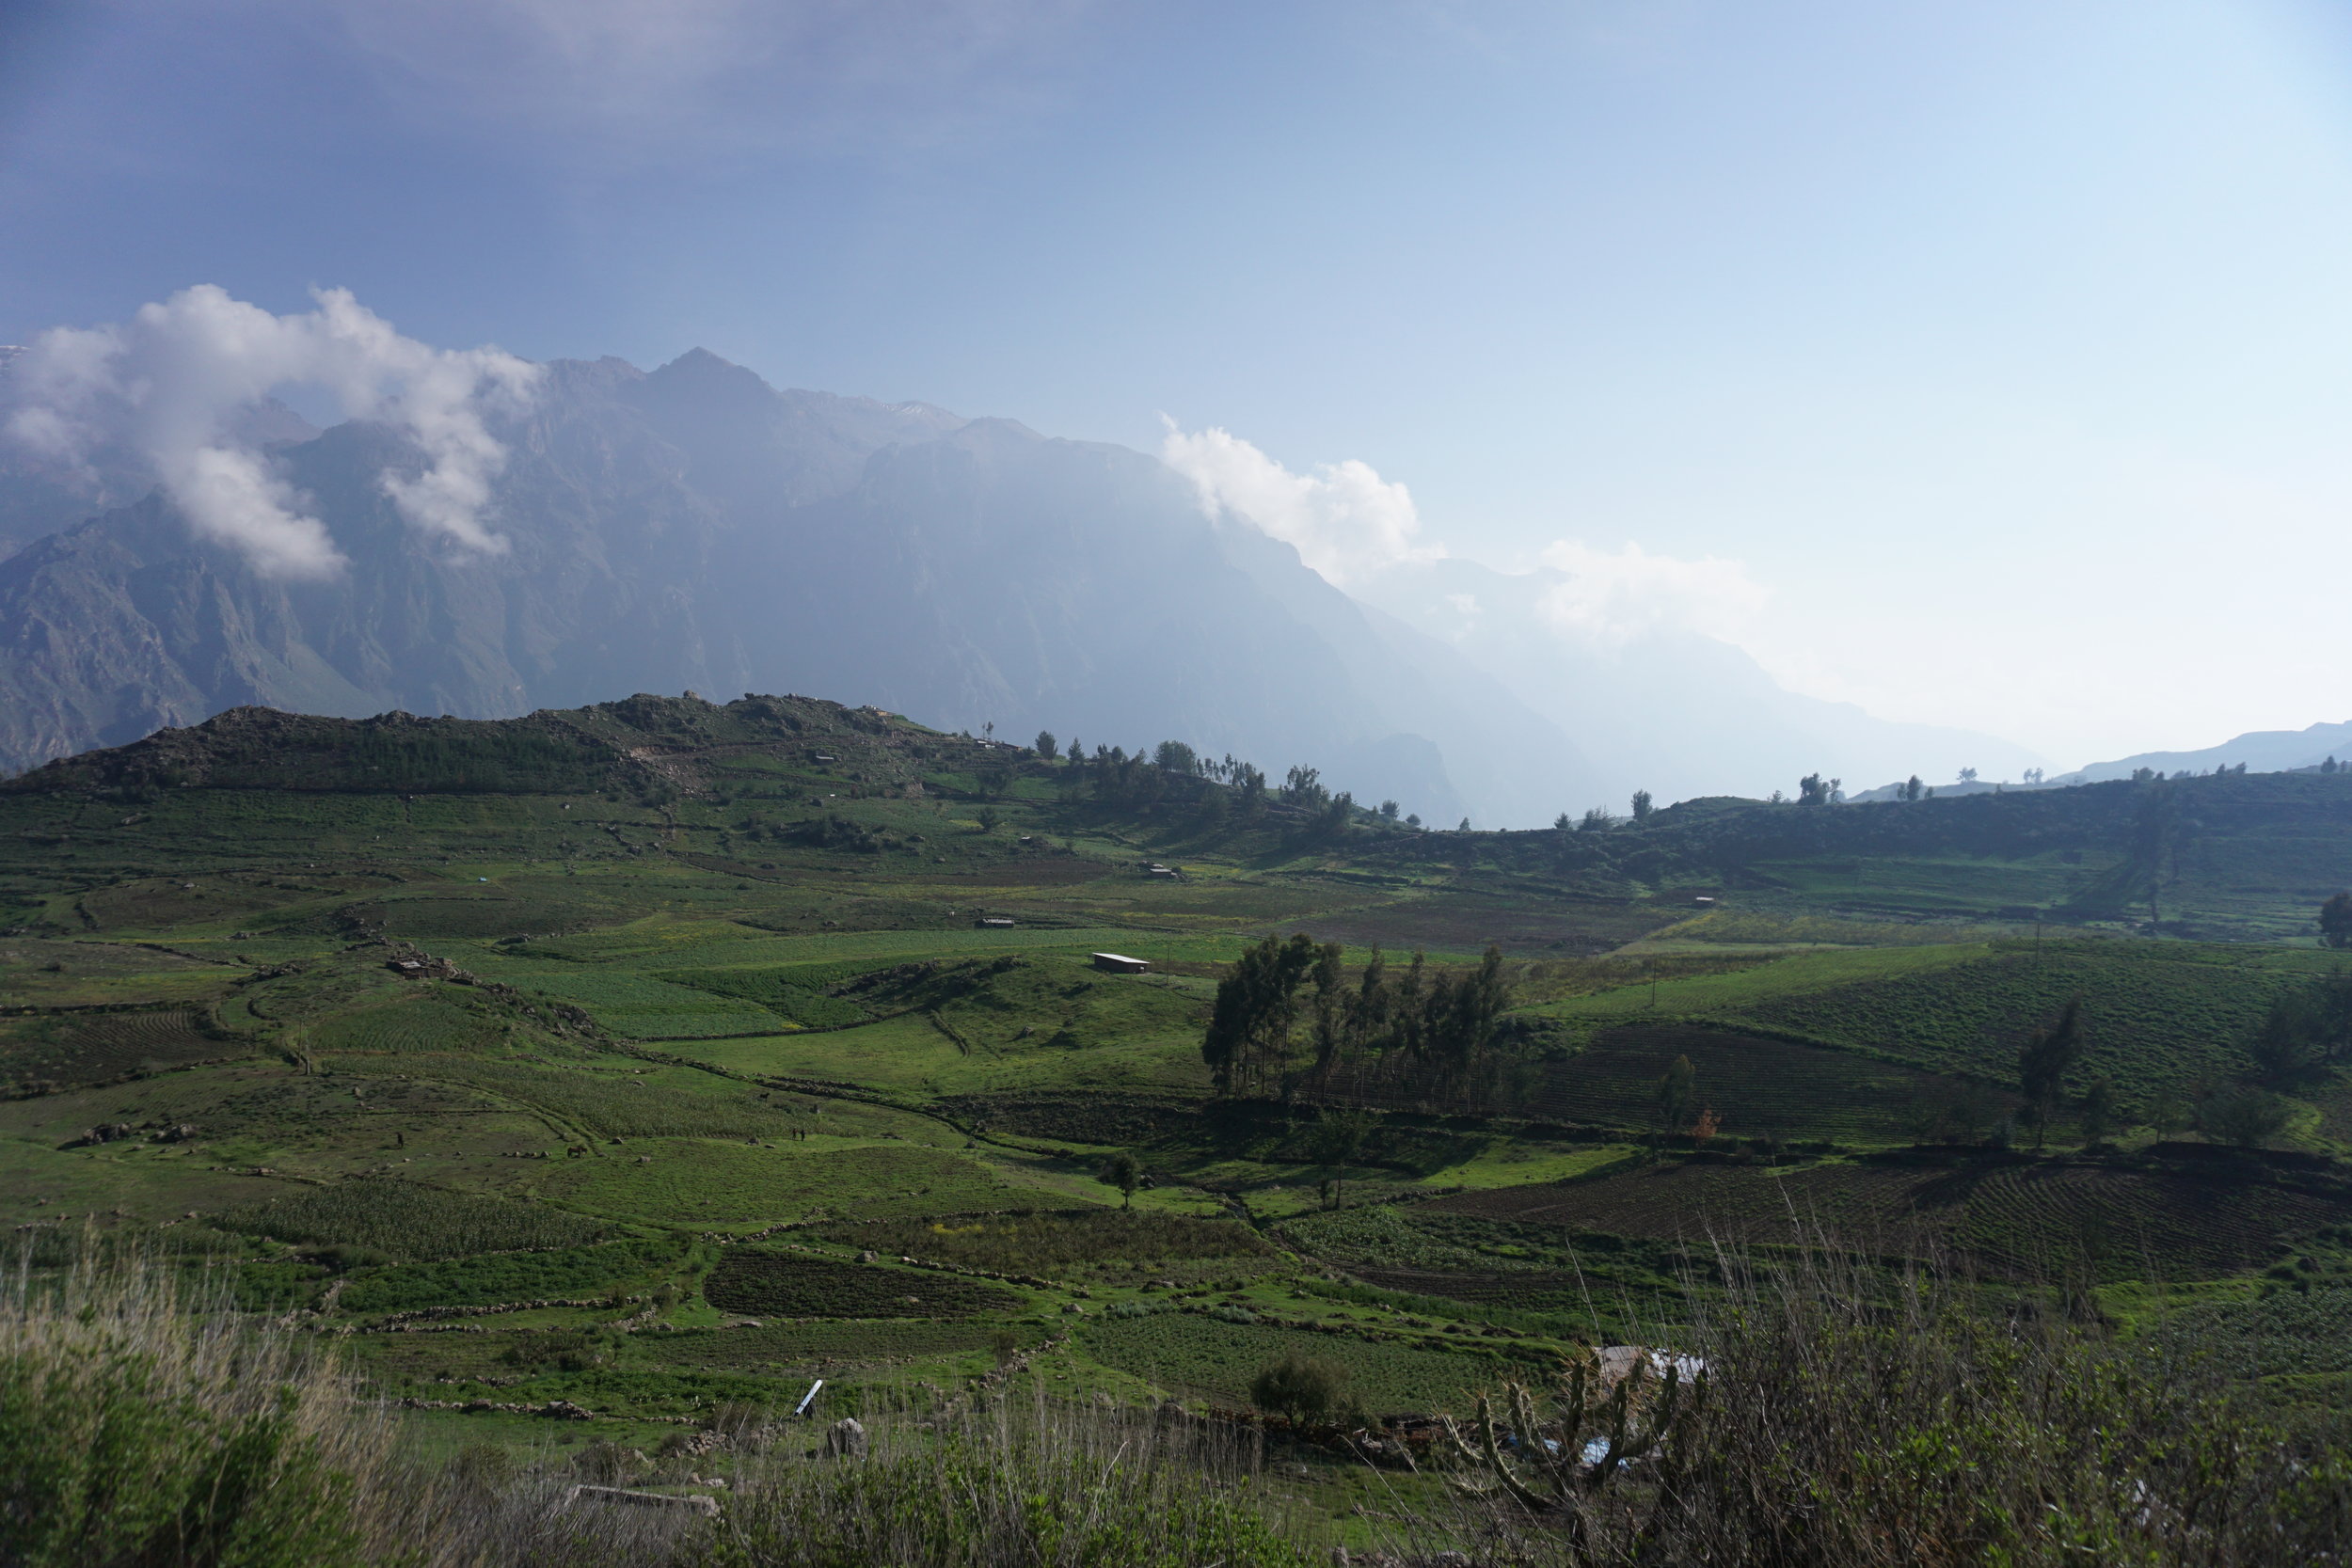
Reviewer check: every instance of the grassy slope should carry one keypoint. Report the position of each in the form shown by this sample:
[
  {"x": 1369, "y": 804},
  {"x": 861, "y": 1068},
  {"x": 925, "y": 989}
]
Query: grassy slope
[{"x": 734, "y": 910}]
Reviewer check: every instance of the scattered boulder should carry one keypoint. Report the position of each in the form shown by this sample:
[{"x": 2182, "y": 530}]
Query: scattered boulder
[{"x": 846, "y": 1439}]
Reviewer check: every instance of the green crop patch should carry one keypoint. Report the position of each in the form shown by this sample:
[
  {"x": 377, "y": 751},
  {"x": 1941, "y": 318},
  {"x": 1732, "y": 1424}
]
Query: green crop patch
[
  {"x": 2278, "y": 1335},
  {"x": 415, "y": 1023},
  {"x": 1754, "y": 1088},
  {"x": 2019, "y": 1218},
  {"x": 40, "y": 1053},
  {"x": 1207, "y": 1358},
  {"x": 1732, "y": 993},
  {"x": 408, "y": 1220},
  {"x": 563, "y": 1274},
  {"x": 1515, "y": 1291},
  {"x": 796, "y": 1285},
  {"x": 632, "y": 1003},
  {"x": 683, "y": 1182},
  {"x": 830, "y": 1346},
  {"x": 480, "y": 909},
  {"x": 603, "y": 1099},
  {"x": 1769, "y": 927},
  {"x": 2156, "y": 1016},
  {"x": 796, "y": 994},
  {"x": 1056, "y": 1242},
  {"x": 39, "y": 973}
]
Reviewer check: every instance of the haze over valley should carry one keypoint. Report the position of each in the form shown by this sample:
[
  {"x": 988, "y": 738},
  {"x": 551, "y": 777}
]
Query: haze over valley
[{"x": 1023, "y": 784}]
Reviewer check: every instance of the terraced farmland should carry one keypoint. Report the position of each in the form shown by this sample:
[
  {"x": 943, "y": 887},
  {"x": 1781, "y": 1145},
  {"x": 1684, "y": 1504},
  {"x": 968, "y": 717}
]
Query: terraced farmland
[
  {"x": 560, "y": 1273},
  {"x": 1760, "y": 1088},
  {"x": 2156, "y": 1016},
  {"x": 415, "y": 1023},
  {"x": 840, "y": 1345},
  {"x": 687, "y": 1181},
  {"x": 2019, "y": 1218},
  {"x": 1214, "y": 1359},
  {"x": 408, "y": 1220},
  {"x": 1518, "y": 1290},
  {"x": 1051, "y": 1242},
  {"x": 797, "y": 1285},
  {"x": 100, "y": 1047}
]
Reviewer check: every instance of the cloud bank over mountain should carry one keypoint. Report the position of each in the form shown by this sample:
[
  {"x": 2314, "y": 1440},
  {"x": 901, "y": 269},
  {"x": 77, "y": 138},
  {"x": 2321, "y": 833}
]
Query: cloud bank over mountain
[
  {"x": 482, "y": 536},
  {"x": 1635, "y": 656},
  {"x": 175, "y": 383}
]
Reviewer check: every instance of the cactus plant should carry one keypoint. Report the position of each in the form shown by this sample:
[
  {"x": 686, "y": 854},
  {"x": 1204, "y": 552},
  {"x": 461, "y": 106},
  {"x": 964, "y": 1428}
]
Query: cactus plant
[{"x": 1539, "y": 1458}]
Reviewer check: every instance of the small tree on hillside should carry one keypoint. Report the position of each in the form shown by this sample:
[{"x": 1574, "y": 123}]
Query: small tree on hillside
[
  {"x": 1121, "y": 1170},
  {"x": 1913, "y": 788},
  {"x": 1301, "y": 1389},
  {"x": 1677, "y": 1091},
  {"x": 2043, "y": 1062},
  {"x": 2335, "y": 921},
  {"x": 2099, "y": 1111},
  {"x": 1813, "y": 790},
  {"x": 1047, "y": 747},
  {"x": 1641, "y": 805},
  {"x": 2244, "y": 1117},
  {"x": 1338, "y": 1138}
]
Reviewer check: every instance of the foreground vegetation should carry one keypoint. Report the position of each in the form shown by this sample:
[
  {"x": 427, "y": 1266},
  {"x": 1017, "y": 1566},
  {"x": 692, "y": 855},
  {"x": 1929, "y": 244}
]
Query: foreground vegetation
[
  {"x": 1820, "y": 1413},
  {"x": 490, "y": 1110}
]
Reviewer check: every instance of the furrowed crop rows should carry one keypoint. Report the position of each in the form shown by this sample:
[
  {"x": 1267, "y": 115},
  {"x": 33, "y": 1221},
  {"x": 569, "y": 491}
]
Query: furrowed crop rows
[
  {"x": 95, "y": 1049},
  {"x": 2151, "y": 1021},
  {"x": 788, "y": 1285},
  {"x": 1760, "y": 1088},
  {"x": 408, "y": 1220},
  {"x": 521, "y": 1277},
  {"x": 1051, "y": 1243},
  {"x": 1205, "y": 1357}
]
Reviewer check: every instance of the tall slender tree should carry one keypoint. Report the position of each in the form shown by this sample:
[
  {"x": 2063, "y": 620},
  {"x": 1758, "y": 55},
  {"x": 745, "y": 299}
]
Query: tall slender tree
[{"x": 2042, "y": 1063}]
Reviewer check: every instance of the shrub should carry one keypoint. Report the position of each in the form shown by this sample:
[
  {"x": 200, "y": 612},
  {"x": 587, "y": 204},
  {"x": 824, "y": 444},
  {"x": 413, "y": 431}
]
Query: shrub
[
  {"x": 2245, "y": 1116},
  {"x": 1040, "y": 1488},
  {"x": 1300, "y": 1387},
  {"x": 1853, "y": 1419},
  {"x": 134, "y": 1429}
]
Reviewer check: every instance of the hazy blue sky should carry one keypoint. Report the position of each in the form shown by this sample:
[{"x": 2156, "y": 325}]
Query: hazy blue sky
[{"x": 2005, "y": 348}]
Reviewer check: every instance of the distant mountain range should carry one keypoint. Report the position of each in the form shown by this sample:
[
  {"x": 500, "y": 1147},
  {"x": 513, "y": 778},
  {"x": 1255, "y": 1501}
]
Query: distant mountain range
[
  {"x": 2257, "y": 752},
  {"x": 695, "y": 528},
  {"x": 2261, "y": 750}
]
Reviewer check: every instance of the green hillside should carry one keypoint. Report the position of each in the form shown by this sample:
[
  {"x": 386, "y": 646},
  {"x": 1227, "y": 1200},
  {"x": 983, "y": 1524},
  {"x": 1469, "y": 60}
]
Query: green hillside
[{"x": 683, "y": 1052}]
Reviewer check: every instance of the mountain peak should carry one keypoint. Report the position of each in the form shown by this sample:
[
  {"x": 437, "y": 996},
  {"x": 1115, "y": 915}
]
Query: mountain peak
[{"x": 701, "y": 369}]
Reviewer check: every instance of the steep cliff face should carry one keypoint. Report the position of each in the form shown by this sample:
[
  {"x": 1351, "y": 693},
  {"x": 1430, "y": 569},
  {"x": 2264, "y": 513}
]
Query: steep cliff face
[{"x": 696, "y": 528}]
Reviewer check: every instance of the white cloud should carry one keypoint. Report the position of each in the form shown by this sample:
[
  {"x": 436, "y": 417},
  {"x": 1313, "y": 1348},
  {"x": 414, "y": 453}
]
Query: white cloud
[
  {"x": 170, "y": 383},
  {"x": 1344, "y": 520},
  {"x": 1609, "y": 599}
]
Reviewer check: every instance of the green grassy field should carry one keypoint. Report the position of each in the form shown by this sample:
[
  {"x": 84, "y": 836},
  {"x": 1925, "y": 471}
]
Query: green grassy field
[{"x": 684, "y": 1049}]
